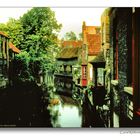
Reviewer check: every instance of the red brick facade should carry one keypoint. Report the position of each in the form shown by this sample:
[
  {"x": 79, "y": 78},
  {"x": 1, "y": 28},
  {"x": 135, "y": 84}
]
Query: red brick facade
[
  {"x": 92, "y": 38},
  {"x": 94, "y": 44}
]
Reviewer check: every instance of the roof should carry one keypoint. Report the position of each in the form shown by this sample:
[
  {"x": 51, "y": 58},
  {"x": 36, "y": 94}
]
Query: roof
[
  {"x": 14, "y": 48},
  {"x": 92, "y": 29},
  {"x": 3, "y": 34},
  {"x": 99, "y": 60},
  {"x": 68, "y": 53},
  {"x": 72, "y": 43}
]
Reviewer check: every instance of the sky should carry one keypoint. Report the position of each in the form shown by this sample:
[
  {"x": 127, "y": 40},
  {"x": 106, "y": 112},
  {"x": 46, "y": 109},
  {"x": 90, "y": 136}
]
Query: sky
[{"x": 70, "y": 18}]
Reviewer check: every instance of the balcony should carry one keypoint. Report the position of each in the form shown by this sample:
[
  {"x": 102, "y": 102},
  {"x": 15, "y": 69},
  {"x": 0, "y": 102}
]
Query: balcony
[{"x": 128, "y": 91}]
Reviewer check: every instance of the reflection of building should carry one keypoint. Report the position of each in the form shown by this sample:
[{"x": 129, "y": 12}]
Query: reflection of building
[
  {"x": 90, "y": 49},
  {"x": 7, "y": 52}
]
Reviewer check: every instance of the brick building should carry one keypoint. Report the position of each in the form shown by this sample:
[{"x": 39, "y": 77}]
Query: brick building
[
  {"x": 124, "y": 63},
  {"x": 91, "y": 48}
]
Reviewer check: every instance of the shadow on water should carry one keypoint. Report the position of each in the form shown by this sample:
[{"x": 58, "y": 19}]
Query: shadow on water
[
  {"x": 28, "y": 105},
  {"x": 23, "y": 106}
]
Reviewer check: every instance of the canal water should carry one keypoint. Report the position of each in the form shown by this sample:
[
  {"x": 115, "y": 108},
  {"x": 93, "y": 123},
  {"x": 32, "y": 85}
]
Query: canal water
[
  {"x": 66, "y": 110},
  {"x": 25, "y": 105},
  {"x": 66, "y": 113}
]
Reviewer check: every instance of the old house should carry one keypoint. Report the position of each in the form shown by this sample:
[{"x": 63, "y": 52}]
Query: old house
[
  {"x": 101, "y": 65},
  {"x": 91, "y": 48},
  {"x": 120, "y": 52},
  {"x": 135, "y": 104},
  {"x": 7, "y": 52},
  {"x": 69, "y": 67},
  {"x": 4, "y": 59},
  {"x": 105, "y": 46},
  {"x": 124, "y": 64}
]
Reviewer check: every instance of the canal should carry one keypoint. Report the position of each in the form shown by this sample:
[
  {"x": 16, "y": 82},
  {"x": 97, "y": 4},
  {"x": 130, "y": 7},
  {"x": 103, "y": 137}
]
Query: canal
[{"x": 29, "y": 105}]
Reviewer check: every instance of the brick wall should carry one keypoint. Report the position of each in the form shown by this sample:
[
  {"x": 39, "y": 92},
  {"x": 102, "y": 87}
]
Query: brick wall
[{"x": 121, "y": 24}]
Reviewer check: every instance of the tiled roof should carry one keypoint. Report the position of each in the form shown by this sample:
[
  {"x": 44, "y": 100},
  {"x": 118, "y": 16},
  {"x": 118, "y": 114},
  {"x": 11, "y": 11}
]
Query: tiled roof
[
  {"x": 72, "y": 43},
  {"x": 14, "y": 48},
  {"x": 3, "y": 34},
  {"x": 68, "y": 53}
]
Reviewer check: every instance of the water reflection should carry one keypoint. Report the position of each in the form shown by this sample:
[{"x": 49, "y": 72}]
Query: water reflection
[
  {"x": 67, "y": 113},
  {"x": 27, "y": 105}
]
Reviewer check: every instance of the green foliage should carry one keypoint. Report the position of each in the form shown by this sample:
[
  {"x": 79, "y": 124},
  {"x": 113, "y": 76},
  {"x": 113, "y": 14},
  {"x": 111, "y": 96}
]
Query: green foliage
[
  {"x": 35, "y": 34},
  {"x": 70, "y": 36},
  {"x": 40, "y": 30},
  {"x": 89, "y": 88},
  {"x": 14, "y": 30},
  {"x": 80, "y": 36},
  {"x": 21, "y": 67}
]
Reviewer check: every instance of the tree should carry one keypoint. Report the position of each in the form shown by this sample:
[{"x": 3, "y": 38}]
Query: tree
[
  {"x": 80, "y": 36},
  {"x": 14, "y": 30},
  {"x": 35, "y": 33},
  {"x": 70, "y": 36},
  {"x": 40, "y": 29}
]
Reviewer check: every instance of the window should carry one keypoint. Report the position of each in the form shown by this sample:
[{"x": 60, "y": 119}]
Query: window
[
  {"x": 100, "y": 76},
  {"x": 84, "y": 72}
]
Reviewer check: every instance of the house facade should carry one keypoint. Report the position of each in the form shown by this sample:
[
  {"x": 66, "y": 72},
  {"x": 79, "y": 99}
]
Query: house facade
[
  {"x": 120, "y": 35},
  {"x": 91, "y": 48},
  {"x": 4, "y": 59},
  {"x": 124, "y": 66},
  {"x": 7, "y": 52},
  {"x": 69, "y": 68}
]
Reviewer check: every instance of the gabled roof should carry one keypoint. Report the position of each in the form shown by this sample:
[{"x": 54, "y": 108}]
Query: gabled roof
[
  {"x": 72, "y": 43},
  {"x": 14, "y": 48},
  {"x": 68, "y": 53},
  {"x": 3, "y": 34},
  {"x": 11, "y": 45}
]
